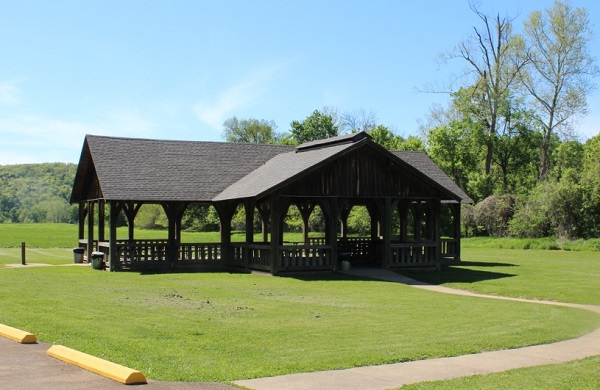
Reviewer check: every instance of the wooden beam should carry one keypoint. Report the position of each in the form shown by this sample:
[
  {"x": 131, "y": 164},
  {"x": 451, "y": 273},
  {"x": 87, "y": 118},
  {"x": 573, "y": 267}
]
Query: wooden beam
[
  {"x": 101, "y": 218},
  {"x": 332, "y": 208},
  {"x": 114, "y": 262},
  {"x": 82, "y": 215},
  {"x": 249, "y": 208},
  {"x": 174, "y": 211},
  {"x": 265, "y": 215},
  {"x": 387, "y": 232},
  {"x": 225, "y": 212},
  {"x": 276, "y": 208},
  {"x": 90, "y": 243},
  {"x": 306, "y": 208}
]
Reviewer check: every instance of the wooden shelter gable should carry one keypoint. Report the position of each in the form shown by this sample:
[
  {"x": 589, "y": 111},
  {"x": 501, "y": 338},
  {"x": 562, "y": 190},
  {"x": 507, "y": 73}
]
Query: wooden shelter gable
[
  {"x": 86, "y": 184},
  {"x": 281, "y": 170},
  {"x": 363, "y": 173},
  {"x": 420, "y": 162}
]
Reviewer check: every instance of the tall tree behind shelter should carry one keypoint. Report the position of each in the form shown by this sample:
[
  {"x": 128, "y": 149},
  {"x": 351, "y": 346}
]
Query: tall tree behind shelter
[
  {"x": 250, "y": 131},
  {"x": 560, "y": 72},
  {"x": 494, "y": 58},
  {"x": 316, "y": 126}
]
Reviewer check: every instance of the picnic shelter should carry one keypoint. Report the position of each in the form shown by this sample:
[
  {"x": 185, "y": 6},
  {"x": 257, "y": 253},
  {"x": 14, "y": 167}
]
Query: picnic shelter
[{"x": 414, "y": 208}]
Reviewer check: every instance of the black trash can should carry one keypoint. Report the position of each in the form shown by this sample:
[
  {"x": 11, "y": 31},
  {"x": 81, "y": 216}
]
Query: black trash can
[
  {"x": 97, "y": 260},
  {"x": 78, "y": 255}
]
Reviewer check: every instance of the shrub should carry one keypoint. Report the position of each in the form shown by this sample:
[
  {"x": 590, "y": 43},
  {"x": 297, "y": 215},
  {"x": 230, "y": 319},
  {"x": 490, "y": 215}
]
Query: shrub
[{"x": 492, "y": 215}]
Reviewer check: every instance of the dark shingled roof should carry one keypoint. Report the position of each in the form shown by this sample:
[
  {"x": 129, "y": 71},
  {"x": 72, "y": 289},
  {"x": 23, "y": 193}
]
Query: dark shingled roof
[
  {"x": 159, "y": 170},
  {"x": 421, "y": 162},
  {"x": 191, "y": 171},
  {"x": 281, "y": 169}
]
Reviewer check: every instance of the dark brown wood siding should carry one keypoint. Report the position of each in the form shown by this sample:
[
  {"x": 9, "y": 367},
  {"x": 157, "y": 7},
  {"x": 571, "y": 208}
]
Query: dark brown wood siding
[{"x": 363, "y": 173}]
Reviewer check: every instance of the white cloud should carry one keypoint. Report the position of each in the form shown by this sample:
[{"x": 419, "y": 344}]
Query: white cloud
[
  {"x": 241, "y": 95},
  {"x": 34, "y": 139},
  {"x": 9, "y": 94}
]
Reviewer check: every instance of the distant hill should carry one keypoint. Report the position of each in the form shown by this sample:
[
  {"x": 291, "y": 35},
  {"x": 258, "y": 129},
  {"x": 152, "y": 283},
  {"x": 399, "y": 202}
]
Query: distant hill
[{"x": 37, "y": 193}]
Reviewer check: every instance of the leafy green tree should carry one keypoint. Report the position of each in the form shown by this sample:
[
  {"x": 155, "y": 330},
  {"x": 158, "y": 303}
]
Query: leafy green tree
[
  {"x": 454, "y": 149},
  {"x": 250, "y": 131},
  {"x": 411, "y": 143},
  {"x": 493, "y": 57},
  {"x": 516, "y": 149},
  {"x": 559, "y": 77},
  {"x": 316, "y": 126},
  {"x": 569, "y": 156},
  {"x": 591, "y": 185},
  {"x": 384, "y": 137}
]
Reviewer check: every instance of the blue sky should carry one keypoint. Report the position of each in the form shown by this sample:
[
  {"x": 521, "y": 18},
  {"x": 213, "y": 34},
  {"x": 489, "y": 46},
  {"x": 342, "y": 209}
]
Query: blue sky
[{"x": 178, "y": 69}]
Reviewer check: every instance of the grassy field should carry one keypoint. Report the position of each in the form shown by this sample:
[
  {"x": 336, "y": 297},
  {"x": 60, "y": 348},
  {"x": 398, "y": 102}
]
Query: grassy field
[
  {"x": 221, "y": 327},
  {"x": 579, "y": 374},
  {"x": 562, "y": 276}
]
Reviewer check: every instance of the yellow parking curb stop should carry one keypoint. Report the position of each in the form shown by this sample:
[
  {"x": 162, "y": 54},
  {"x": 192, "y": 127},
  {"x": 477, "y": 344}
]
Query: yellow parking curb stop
[
  {"x": 102, "y": 367},
  {"x": 17, "y": 335}
]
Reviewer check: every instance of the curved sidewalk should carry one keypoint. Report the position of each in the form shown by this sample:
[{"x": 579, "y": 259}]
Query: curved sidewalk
[{"x": 395, "y": 375}]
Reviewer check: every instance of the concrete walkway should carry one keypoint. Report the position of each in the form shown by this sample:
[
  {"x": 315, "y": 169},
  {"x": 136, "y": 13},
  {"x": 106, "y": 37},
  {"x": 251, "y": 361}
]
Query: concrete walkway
[{"x": 395, "y": 375}]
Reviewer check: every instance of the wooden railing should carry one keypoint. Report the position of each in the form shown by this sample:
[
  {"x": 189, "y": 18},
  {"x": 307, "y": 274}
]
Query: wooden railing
[
  {"x": 450, "y": 249},
  {"x": 154, "y": 253},
  {"x": 413, "y": 254},
  {"x": 293, "y": 257},
  {"x": 304, "y": 257},
  {"x": 359, "y": 248},
  {"x": 316, "y": 241},
  {"x": 253, "y": 256},
  {"x": 199, "y": 252}
]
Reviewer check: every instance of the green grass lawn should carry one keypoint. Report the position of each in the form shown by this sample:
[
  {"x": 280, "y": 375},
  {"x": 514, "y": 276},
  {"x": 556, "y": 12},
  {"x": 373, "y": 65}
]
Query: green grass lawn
[
  {"x": 563, "y": 276},
  {"x": 579, "y": 374},
  {"x": 222, "y": 327}
]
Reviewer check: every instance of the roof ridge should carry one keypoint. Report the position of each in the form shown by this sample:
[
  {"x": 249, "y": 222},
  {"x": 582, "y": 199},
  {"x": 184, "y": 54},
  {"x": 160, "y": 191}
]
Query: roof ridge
[
  {"x": 337, "y": 140},
  {"x": 288, "y": 147}
]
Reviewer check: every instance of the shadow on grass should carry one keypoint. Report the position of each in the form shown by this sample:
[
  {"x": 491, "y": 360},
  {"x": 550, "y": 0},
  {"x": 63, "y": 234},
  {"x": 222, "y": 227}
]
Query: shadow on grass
[
  {"x": 485, "y": 264},
  {"x": 456, "y": 275}
]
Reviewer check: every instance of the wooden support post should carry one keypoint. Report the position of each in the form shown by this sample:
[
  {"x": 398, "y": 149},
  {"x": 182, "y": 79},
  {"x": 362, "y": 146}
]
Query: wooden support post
[
  {"x": 114, "y": 262},
  {"x": 344, "y": 214},
  {"x": 387, "y": 233},
  {"x": 417, "y": 215},
  {"x": 456, "y": 208},
  {"x": 372, "y": 209},
  {"x": 225, "y": 211},
  {"x": 332, "y": 209},
  {"x": 23, "y": 260},
  {"x": 101, "y": 216},
  {"x": 276, "y": 232},
  {"x": 249, "y": 207},
  {"x": 436, "y": 211},
  {"x": 306, "y": 210},
  {"x": 263, "y": 210},
  {"x": 82, "y": 214},
  {"x": 90, "y": 243},
  {"x": 174, "y": 213},
  {"x": 403, "y": 214}
]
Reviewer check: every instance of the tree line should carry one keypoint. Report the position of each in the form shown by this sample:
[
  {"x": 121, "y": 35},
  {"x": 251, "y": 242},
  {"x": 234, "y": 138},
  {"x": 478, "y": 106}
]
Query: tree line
[{"x": 37, "y": 193}]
